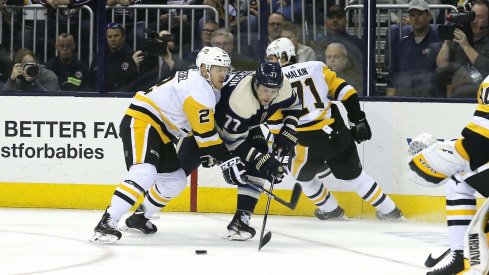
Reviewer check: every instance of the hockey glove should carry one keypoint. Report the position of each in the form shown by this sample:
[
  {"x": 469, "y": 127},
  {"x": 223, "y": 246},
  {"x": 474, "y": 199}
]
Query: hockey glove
[
  {"x": 285, "y": 141},
  {"x": 361, "y": 131},
  {"x": 257, "y": 140},
  {"x": 233, "y": 170},
  {"x": 269, "y": 167},
  {"x": 207, "y": 161}
]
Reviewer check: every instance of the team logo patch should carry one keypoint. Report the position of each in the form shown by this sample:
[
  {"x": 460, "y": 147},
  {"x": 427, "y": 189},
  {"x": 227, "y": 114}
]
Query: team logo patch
[{"x": 125, "y": 66}]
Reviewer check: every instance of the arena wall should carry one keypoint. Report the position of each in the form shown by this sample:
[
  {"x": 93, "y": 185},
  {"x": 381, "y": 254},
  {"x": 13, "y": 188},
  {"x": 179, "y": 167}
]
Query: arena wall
[{"x": 64, "y": 152}]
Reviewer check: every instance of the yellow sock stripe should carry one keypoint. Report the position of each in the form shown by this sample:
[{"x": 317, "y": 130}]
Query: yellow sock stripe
[
  {"x": 129, "y": 190},
  {"x": 423, "y": 165},
  {"x": 159, "y": 198},
  {"x": 323, "y": 195},
  {"x": 461, "y": 212},
  {"x": 376, "y": 196}
]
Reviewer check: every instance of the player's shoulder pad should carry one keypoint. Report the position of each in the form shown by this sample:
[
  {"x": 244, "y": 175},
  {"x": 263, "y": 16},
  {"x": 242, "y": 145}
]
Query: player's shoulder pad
[
  {"x": 242, "y": 101},
  {"x": 191, "y": 84},
  {"x": 286, "y": 92}
]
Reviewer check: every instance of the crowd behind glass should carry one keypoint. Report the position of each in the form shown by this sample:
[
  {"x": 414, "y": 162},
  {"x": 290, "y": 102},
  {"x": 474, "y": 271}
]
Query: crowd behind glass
[{"x": 51, "y": 49}]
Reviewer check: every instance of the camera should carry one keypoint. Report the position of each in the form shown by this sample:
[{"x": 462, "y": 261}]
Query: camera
[
  {"x": 30, "y": 69},
  {"x": 156, "y": 44},
  {"x": 460, "y": 19}
]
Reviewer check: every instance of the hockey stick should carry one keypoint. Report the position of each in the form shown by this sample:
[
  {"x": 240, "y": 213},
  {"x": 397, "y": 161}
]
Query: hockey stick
[
  {"x": 265, "y": 239},
  {"x": 431, "y": 262},
  {"x": 294, "y": 198}
]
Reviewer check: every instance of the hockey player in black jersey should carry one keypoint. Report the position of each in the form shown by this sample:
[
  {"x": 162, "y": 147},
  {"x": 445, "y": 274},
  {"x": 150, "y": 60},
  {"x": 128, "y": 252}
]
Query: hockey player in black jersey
[
  {"x": 247, "y": 100},
  {"x": 323, "y": 138}
]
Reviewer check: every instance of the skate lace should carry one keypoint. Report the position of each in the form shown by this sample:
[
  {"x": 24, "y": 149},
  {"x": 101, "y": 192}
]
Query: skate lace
[
  {"x": 450, "y": 263},
  {"x": 245, "y": 219},
  {"x": 112, "y": 223}
]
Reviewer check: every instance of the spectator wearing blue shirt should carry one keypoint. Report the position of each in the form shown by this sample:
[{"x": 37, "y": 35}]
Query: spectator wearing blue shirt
[{"x": 412, "y": 69}]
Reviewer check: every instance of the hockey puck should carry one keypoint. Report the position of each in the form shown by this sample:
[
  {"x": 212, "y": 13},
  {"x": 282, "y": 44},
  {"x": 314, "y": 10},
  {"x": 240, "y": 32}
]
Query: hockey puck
[{"x": 200, "y": 252}]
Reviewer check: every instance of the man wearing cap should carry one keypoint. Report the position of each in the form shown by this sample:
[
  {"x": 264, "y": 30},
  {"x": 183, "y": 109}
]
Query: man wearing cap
[
  {"x": 412, "y": 66},
  {"x": 335, "y": 24}
]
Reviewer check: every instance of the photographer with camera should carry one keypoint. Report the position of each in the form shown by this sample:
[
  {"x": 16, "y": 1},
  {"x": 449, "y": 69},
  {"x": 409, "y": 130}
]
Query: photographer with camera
[
  {"x": 28, "y": 75},
  {"x": 160, "y": 59},
  {"x": 463, "y": 60}
]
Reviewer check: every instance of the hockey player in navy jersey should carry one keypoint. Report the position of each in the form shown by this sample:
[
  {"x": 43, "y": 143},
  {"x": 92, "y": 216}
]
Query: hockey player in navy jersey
[
  {"x": 325, "y": 144},
  {"x": 174, "y": 108}
]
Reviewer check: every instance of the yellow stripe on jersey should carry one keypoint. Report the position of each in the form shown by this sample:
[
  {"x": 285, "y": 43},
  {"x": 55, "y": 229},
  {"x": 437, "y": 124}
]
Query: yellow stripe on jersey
[
  {"x": 422, "y": 163},
  {"x": 317, "y": 126},
  {"x": 461, "y": 150},
  {"x": 332, "y": 81},
  {"x": 167, "y": 122},
  {"x": 201, "y": 120},
  {"x": 461, "y": 212},
  {"x": 148, "y": 119},
  {"x": 347, "y": 95},
  {"x": 478, "y": 129},
  {"x": 140, "y": 130}
]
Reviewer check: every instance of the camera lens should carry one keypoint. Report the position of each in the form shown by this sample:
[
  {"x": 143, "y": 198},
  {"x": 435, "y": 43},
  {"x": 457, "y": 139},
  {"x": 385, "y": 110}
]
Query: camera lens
[{"x": 31, "y": 70}]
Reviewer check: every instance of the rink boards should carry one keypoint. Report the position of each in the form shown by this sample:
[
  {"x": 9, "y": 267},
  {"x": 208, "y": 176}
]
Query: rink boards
[{"x": 65, "y": 152}]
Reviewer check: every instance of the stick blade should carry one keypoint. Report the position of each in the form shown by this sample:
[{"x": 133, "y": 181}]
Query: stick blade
[
  {"x": 265, "y": 240},
  {"x": 296, "y": 194}
]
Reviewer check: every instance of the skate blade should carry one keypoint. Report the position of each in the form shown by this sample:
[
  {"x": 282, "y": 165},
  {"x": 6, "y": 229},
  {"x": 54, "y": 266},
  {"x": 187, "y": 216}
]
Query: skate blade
[
  {"x": 127, "y": 229},
  {"x": 235, "y": 236},
  {"x": 103, "y": 238}
]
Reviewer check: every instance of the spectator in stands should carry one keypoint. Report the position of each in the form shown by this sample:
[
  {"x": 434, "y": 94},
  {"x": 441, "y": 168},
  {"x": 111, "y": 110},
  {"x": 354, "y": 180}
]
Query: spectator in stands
[
  {"x": 28, "y": 75},
  {"x": 275, "y": 22},
  {"x": 68, "y": 21},
  {"x": 224, "y": 39},
  {"x": 122, "y": 63},
  {"x": 464, "y": 61},
  {"x": 72, "y": 73},
  {"x": 235, "y": 8},
  {"x": 160, "y": 61},
  {"x": 287, "y": 7},
  {"x": 293, "y": 33},
  {"x": 206, "y": 34},
  {"x": 412, "y": 70},
  {"x": 337, "y": 60},
  {"x": 335, "y": 24}
]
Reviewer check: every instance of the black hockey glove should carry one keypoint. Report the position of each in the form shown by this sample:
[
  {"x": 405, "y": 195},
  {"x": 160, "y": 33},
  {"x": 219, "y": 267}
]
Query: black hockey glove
[
  {"x": 268, "y": 166},
  {"x": 207, "y": 161},
  {"x": 361, "y": 131},
  {"x": 233, "y": 170},
  {"x": 285, "y": 141},
  {"x": 257, "y": 140}
]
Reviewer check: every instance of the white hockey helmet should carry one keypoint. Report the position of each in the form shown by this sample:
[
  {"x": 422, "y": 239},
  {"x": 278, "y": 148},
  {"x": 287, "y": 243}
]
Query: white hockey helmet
[
  {"x": 212, "y": 56},
  {"x": 280, "y": 47}
]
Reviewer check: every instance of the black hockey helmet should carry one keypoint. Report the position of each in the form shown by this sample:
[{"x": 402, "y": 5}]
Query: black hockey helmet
[{"x": 269, "y": 74}]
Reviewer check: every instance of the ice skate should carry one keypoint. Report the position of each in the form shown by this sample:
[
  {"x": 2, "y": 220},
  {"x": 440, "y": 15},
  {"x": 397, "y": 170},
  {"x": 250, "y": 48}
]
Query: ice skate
[
  {"x": 336, "y": 215},
  {"x": 139, "y": 224},
  {"x": 106, "y": 230},
  {"x": 239, "y": 229},
  {"x": 454, "y": 266},
  {"x": 394, "y": 215}
]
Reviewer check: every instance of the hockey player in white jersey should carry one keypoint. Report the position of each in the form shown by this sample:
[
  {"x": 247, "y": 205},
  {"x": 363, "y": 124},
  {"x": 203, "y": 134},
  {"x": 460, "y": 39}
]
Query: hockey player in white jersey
[
  {"x": 463, "y": 165},
  {"x": 176, "y": 107},
  {"x": 325, "y": 144}
]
